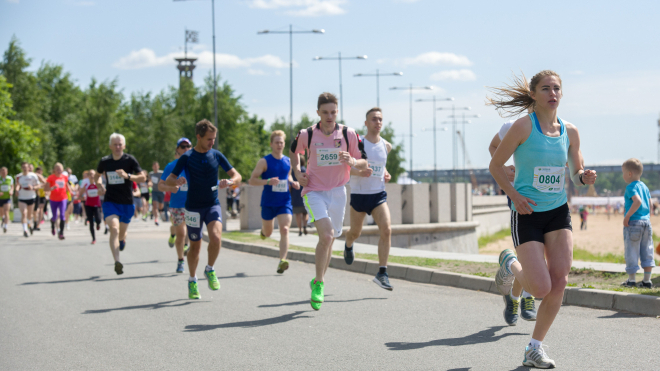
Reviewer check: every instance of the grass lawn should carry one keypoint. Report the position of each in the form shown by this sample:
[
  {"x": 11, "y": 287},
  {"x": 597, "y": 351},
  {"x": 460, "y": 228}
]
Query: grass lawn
[
  {"x": 585, "y": 278},
  {"x": 486, "y": 239}
]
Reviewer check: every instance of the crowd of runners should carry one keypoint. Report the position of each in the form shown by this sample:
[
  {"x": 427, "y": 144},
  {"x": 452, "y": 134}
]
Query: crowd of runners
[{"x": 186, "y": 192}]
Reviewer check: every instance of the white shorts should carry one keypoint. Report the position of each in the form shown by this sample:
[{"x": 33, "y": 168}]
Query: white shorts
[{"x": 327, "y": 204}]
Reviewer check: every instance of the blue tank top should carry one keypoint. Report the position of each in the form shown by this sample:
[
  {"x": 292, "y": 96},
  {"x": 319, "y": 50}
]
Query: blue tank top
[
  {"x": 276, "y": 195},
  {"x": 541, "y": 167}
]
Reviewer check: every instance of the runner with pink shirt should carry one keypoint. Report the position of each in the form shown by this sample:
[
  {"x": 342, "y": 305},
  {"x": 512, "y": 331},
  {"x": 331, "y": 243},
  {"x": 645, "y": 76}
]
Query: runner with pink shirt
[
  {"x": 332, "y": 150},
  {"x": 90, "y": 193}
]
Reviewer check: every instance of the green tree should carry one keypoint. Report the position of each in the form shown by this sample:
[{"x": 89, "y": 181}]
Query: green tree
[
  {"x": 18, "y": 142},
  {"x": 281, "y": 124}
]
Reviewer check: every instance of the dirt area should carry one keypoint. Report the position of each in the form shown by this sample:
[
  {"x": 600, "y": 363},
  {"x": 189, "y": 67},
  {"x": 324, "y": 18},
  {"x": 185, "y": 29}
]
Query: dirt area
[{"x": 602, "y": 235}]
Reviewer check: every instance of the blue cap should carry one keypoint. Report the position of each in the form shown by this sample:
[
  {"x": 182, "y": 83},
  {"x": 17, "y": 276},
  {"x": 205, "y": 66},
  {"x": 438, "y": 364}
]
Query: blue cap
[{"x": 184, "y": 139}]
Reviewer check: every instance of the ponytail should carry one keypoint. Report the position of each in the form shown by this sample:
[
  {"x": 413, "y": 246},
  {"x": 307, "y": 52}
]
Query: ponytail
[{"x": 514, "y": 99}]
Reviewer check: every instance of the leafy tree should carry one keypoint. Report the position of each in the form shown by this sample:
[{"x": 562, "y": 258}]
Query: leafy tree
[
  {"x": 18, "y": 142},
  {"x": 281, "y": 124}
]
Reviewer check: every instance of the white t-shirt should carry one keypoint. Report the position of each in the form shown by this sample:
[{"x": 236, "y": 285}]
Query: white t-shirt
[
  {"x": 30, "y": 179},
  {"x": 73, "y": 179},
  {"x": 505, "y": 128},
  {"x": 84, "y": 183}
]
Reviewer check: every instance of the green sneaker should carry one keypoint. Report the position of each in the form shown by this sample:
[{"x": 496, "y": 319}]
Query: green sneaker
[
  {"x": 284, "y": 265},
  {"x": 185, "y": 250},
  {"x": 317, "y": 294},
  {"x": 262, "y": 235},
  {"x": 193, "y": 291},
  {"x": 213, "y": 280},
  {"x": 171, "y": 241}
]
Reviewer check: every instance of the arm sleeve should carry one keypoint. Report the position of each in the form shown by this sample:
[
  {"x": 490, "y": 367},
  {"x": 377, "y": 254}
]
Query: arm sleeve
[
  {"x": 224, "y": 163},
  {"x": 101, "y": 168},
  {"x": 300, "y": 143},
  {"x": 135, "y": 166},
  {"x": 356, "y": 145},
  {"x": 180, "y": 165}
]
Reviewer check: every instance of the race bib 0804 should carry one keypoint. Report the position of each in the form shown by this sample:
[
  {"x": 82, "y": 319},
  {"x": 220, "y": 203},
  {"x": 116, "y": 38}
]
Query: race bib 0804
[
  {"x": 549, "y": 179},
  {"x": 327, "y": 157},
  {"x": 193, "y": 219},
  {"x": 378, "y": 169},
  {"x": 282, "y": 186},
  {"x": 114, "y": 178}
]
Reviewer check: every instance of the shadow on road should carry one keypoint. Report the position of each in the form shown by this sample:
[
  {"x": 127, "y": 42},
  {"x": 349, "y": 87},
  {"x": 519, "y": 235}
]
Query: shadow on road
[
  {"x": 164, "y": 304},
  {"x": 307, "y": 302},
  {"x": 243, "y": 275},
  {"x": 622, "y": 315},
  {"x": 484, "y": 336},
  {"x": 461, "y": 369},
  {"x": 136, "y": 263},
  {"x": 248, "y": 324},
  {"x": 99, "y": 279}
]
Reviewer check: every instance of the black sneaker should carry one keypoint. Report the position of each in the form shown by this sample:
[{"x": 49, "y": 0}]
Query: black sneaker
[
  {"x": 645, "y": 285},
  {"x": 383, "y": 280},
  {"x": 122, "y": 245},
  {"x": 31, "y": 230},
  {"x": 510, "y": 310},
  {"x": 527, "y": 308},
  {"x": 106, "y": 230},
  {"x": 25, "y": 234},
  {"x": 627, "y": 283},
  {"x": 299, "y": 233},
  {"x": 349, "y": 255},
  {"x": 119, "y": 268}
]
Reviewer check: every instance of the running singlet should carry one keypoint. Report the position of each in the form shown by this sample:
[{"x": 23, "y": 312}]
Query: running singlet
[
  {"x": 5, "y": 187},
  {"x": 30, "y": 179},
  {"x": 118, "y": 189},
  {"x": 277, "y": 195},
  {"x": 57, "y": 187},
  {"x": 202, "y": 170},
  {"x": 541, "y": 167},
  {"x": 177, "y": 200},
  {"x": 155, "y": 178},
  {"x": 377, "y": 155},
  {"x": 92, "y": 193},
  {"x": 324, "y": 170},
  {"x": 144, "y": 188}
]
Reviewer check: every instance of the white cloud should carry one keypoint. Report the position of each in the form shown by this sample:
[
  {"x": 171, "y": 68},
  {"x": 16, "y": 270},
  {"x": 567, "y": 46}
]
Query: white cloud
[
  {"x": 250, "y": 71},
  {"x": 146, "y": 58},
  {"x": 303, "y": 8},
  {"x": 456, "y": 75},
  {"x": 433, "y": 58}
]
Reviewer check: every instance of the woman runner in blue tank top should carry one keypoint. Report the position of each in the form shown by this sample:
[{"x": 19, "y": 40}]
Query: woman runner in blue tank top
[
  {"x": 274, "y": 173},
  {"x": 541, "y": 144}
]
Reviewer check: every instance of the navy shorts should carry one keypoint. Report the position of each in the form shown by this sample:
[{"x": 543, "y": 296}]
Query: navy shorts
[
  {"x": 270, "y": 212},
  {"x": 4, "y": 202},
  {"x": 124, "y": 212},
  {"x": 367, "y": 203},
  {"x": 196, "y": 217}
]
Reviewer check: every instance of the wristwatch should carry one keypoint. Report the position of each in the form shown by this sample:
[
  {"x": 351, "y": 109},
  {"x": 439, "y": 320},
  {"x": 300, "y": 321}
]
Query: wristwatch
[
  {"x": 129, "y": 177},
  {"x": 582, "y": 181}
]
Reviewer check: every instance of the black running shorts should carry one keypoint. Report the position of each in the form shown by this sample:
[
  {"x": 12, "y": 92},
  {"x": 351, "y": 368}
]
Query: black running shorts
[{"x": 533, "y": 227}]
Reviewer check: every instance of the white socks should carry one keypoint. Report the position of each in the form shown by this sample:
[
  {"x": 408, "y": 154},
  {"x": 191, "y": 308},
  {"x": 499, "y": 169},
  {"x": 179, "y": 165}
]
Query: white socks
[
  {"x": 647, "y": 276},
  {"x": 526, "y": 295},
  {"x": 25, "y": 227},
  {"x": 208, "y": 268},
  {"x": 535, "y": 343},
  {"x": 631, "y": 277},
  {"x": 192, "y": 279},
  {"x": 508, "y": 264}
]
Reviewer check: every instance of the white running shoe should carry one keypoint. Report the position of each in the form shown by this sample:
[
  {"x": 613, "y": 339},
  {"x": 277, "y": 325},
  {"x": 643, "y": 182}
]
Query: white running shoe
[
  {"x": 537, "y": 357},
  {"x": 504, "y": 278}
]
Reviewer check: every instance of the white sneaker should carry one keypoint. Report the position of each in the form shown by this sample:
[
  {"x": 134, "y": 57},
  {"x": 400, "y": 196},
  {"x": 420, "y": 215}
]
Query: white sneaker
[
  {"x": 67, "y": 226},
  {"x": 537, "y": 357}
]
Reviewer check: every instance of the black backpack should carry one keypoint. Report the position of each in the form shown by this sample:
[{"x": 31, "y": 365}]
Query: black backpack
[{"x": 344, "y": 132}]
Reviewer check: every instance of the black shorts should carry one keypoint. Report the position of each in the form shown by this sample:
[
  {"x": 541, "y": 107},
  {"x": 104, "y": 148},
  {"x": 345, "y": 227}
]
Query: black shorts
[
  {"x": 533, "y": 227},
  {"x": 37, "y": 202},
  {"x": 367, "y": 203},
  {"x": 77, "y": 209},
  {"x": 146, "y": 196},
  {"x": 29, "y": 202},
  {"x": 4, "y": 202}
]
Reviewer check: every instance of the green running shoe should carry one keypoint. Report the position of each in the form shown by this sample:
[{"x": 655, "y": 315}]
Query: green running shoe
[
  {"x": 262, "y": 235},
  {"x": 284, "y": 265},
  {"x": 213, "y": 280},
  {"x": 171, "y": 241},
  {"x": 185, "y": 250},
  {"x": 317, "y": 294},
  {"x": 193, "y": 291}
]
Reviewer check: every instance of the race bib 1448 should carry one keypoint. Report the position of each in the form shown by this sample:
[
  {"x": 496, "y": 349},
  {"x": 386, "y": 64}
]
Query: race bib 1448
[
  {"x": 193, "y": 219},
  {"x": 327, "y": 157},
  {"x": 549, "y": 179}
]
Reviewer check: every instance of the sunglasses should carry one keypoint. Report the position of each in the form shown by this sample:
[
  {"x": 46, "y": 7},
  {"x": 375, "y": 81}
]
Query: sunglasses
[{"x": 185, "y": 146}]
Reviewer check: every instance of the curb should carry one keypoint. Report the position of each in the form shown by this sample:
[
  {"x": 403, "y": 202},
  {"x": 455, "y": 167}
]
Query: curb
[{"x": 600, "y": 299}]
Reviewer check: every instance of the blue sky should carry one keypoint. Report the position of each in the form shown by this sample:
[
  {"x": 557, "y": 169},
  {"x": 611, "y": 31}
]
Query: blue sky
[{"x": 606, "y": 52}]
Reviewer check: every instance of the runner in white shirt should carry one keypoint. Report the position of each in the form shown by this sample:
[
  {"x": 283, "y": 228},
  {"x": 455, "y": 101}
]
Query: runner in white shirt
[
  {"x": 27, "y": 184},
  {"x": 368, "y": 196}
]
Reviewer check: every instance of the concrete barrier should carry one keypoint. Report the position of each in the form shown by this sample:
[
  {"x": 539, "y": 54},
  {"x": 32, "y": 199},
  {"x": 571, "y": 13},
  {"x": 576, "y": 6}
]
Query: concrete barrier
[
  {"x": 492, "y": 213},
  {"x": 415, "y": 198},
  {"x": 440, "y": 199},
  {"x": 394, "y": 202},
  {"x": 250, "y": 209}
]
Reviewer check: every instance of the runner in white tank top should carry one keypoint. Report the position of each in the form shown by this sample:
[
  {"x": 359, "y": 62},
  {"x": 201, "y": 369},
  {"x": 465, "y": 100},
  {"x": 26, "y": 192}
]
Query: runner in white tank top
[{"x": 368, "y": 196}]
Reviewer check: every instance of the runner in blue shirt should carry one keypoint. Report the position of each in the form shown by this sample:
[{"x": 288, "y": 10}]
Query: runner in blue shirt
[
  {"x": 202, "y": 206},
  {"x": 177, "y": 204}
]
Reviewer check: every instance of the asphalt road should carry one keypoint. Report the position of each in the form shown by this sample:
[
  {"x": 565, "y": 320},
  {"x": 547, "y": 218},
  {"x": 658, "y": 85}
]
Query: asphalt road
[{"x": 64, "y": 308}]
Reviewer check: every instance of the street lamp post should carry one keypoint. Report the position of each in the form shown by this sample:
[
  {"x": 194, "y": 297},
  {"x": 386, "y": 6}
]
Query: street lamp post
[
  {"x": 435, "y": 154},
  {"x": 410, "y": 89},
  {"x": 454, "y": 154},
  {"x": 290, "y": 32},
  {"x": 378, "y": 75},
  {"x": 341, "y": 95}
]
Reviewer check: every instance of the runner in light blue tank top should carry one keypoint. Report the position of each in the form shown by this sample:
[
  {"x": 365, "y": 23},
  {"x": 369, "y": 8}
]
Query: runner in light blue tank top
[
  {"x": 541, "y": 167},
  {"x": 541, "y": 228}
]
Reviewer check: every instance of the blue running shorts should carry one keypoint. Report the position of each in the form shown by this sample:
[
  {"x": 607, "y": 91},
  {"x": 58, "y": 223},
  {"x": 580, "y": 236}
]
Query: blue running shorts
[
  {"x": 270, "y": 212},
  {"x": 124, "y": 212},
  {"x": 196, "y": 217}
]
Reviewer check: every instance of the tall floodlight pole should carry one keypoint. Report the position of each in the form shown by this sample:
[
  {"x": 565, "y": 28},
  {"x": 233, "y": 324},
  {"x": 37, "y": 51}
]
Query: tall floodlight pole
[
  {"x": 378, "y": 75},
  {"x": 435, "y": 154},
  {"x": 290, "y": 32},
  {"x": 454, "y": 143},
  {"x": 215, "y": 82},
  {"x": 341, "y": 94},
  {"x": 410, "y": 89},
  {"x": 463, "y": 122}
]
